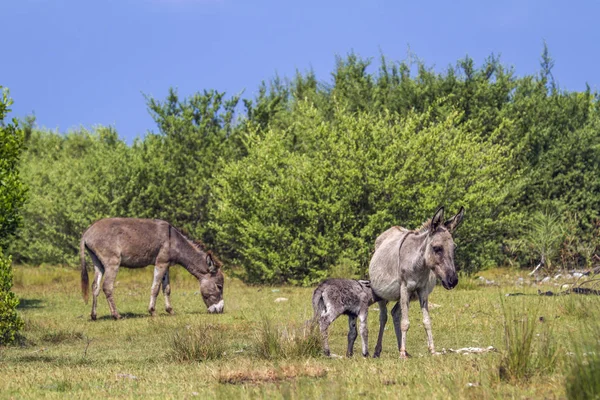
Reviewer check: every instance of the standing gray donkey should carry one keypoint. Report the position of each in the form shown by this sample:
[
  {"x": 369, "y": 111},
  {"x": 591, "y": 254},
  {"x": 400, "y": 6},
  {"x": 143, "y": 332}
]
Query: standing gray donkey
[
  {"x": 405, "y": 267},
  {"x": 334, "y": 297}
]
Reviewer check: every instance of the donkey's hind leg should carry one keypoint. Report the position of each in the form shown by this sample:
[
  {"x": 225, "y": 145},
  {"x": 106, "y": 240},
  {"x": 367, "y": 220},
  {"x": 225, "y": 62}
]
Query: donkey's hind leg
[
  {"x": 352, "y": 334},
  {"x": 166, "y": 286},
  {"x": 324, "y": 321},
  {"x": 98, "y": 272},
  {"x": 382, "y": 321}
]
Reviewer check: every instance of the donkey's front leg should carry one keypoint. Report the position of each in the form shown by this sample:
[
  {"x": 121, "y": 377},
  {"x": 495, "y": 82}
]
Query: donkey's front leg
[
  {"x": 382, "y": 321},
  {"x": 110, "y": 274},
  {"x": 423, "y": 300},
  {"x": 166, "y": 285},
  {"x": 159, "y": 272},
  {"x": 404, "y": 324}
]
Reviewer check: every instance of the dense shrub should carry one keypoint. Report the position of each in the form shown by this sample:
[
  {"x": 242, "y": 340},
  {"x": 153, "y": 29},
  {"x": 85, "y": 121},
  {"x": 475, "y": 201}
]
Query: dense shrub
[
  {"x": 12, "y": 196},
  {"x": 304, "y": 180}
]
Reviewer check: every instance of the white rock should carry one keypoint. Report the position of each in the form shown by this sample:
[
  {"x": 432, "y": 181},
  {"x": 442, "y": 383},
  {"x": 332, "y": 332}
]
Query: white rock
[{"x": 280, "y": 299}]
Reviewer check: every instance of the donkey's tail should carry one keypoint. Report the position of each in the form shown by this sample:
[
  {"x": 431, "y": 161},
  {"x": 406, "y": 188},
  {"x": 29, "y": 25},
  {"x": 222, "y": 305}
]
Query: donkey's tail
[
  {"x": 318, "y": 304},
  {"x": 85, "y": 282}
]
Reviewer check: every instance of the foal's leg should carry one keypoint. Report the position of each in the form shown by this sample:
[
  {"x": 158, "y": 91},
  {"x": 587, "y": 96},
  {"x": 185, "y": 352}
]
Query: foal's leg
[
  {"x": 98, "y": 272},
  {"x": 324, "y": 321},
  {"x": 364, "y": 332},
  {"x": 423, "y": 300},
  {"x": 351, "y": 334},
  {"x": 159, "y": 272},
  {"x": 166, "y": 285},
  {"x": 404, "y": 324},
  {"x": 110, "y": 274},
  {"x": 382, "y": 321}
]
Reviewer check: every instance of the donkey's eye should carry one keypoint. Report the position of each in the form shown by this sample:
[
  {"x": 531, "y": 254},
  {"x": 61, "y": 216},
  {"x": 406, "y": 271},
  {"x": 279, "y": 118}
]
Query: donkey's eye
[{"x": 438, "y": 249}]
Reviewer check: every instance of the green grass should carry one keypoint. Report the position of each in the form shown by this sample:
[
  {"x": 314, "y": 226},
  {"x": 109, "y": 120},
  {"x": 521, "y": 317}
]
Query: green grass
[{"x": 196, "y": 354}]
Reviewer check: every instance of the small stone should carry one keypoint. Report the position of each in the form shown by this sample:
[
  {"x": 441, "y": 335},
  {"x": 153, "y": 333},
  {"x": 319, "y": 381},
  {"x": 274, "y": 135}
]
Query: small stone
[
  {"x": 280, "y": 299},
  {"x": 128, "y": 376},
  {"x": 545, "y": 280}
]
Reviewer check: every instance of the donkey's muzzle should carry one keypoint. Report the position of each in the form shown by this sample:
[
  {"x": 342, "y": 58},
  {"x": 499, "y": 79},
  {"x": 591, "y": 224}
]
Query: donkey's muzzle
[
  {"x": 450, "y": 282},
  {"x": 217, "y": 308}
]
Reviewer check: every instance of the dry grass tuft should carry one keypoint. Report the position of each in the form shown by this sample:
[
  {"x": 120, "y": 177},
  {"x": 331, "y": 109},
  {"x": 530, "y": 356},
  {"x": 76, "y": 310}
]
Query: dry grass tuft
[
  {"x": 198, "y": 343},
  {"x": 288, "y": 341}
]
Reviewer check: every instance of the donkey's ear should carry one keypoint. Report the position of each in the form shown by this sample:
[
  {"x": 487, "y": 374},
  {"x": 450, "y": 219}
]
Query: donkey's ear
[
  {"x": 437, "y": 220},
  {"x": 455, "y": 221},
  {"x": 212, "y": 267}
]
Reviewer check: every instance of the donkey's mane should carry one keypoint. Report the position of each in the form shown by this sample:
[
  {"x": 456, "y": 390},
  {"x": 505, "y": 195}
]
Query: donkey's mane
[
  {"x": 199, "y": 245},
  {"x": 426, "y": 226}
]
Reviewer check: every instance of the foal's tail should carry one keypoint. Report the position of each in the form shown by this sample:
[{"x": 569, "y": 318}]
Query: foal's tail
[
  {"x": 318, "y": 304},
  {"x": 85, "y": 282}
]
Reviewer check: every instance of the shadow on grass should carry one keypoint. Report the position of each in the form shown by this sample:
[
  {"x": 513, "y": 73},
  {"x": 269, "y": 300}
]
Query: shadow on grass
[
  {"x": 55, "y": 360},
  {"x": 123, "y": 316},
  {"x": 25, "y": 304}
]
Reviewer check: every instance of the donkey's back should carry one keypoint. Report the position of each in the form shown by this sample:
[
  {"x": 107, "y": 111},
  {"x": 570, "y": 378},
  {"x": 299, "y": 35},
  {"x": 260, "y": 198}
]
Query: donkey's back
[{"x": 134, "y": 242}]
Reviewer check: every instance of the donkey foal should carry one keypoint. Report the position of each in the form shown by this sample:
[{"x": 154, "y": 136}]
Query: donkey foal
[{"x": 334, "y": 297}]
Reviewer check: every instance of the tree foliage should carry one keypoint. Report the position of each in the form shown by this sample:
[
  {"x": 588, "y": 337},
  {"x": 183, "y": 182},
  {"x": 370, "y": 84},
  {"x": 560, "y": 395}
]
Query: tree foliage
[
  {"x": 12, "y": 196},
  {"x": 307, "y": 176}
]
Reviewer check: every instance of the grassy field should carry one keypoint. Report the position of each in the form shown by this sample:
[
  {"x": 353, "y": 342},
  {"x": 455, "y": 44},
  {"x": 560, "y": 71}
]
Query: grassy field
[{"x": 64, "y": 353}]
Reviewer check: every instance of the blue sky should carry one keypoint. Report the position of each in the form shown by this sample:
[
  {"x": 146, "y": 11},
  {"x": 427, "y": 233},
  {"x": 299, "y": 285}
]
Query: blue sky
[{"x": 81, "y": 63}]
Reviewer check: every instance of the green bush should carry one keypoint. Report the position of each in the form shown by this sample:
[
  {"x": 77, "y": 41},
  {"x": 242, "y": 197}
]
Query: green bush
[
  {"x": 12, "y": 196},
  {"x": 321, "y": 191},
  {"x": 299, "y": 186}
]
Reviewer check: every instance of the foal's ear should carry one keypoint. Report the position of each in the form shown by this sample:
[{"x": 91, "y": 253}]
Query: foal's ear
[
  {"x": 437, "y": 219},
  {"x": 455, "y": 221},
  {"x": 212, "y": 267}
]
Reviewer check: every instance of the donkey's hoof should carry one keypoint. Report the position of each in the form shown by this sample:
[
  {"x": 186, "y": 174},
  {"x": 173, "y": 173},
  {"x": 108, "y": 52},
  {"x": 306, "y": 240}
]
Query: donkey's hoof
[
  {"x": 376, "y": 355},
  {"x": 152, "y": 313},
  {"x": 117, "y": 317},
  {"x": 93, "y": 316},
  {"x": 366, "y": 355},
  {"x": 170, "y": 311},
  {"x": 404, "y": 355}
]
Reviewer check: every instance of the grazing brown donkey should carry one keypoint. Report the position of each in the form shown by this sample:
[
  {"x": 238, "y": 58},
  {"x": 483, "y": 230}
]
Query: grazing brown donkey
[
  {"x": 405, "y": 266},
  {"x": 137, "y": 243}
]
